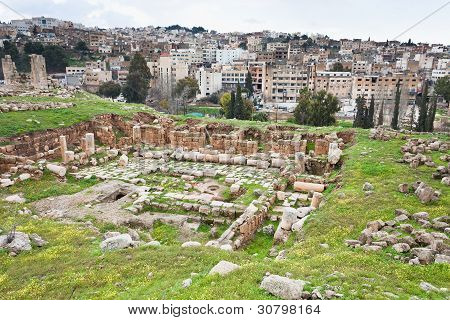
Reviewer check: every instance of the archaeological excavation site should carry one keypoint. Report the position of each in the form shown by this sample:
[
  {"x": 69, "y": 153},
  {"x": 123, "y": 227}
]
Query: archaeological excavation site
[{"x": 109, "y": 200}]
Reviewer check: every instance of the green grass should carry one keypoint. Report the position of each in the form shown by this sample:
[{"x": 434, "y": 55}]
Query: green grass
[
  {"x": 86, "y": 107},
  {"x": 164, "y": 233}
]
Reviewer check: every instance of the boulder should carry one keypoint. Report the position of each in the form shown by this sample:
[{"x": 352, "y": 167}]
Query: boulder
[
  {"x": 401, "y": 247},
  {"x": 269, "y": 229},
  {"x": 20, "y": 242},
  {"x": 283, "y": 287},
  {"x": 37, "y": 240},
  {"x": 442, "y": 258},
  {"x": 15, "y": 198},
  {"x": 153, "y": 243},
  {"x": 223, "y": 268},
  {"x": 334, "y": 153},
  {"x": 188, "y": 244},
  {"x": 123, "y": 160},
  {"x": 288, "y": 218},
  {"x": 367, "y": 186},
  {"x": 424, "y": 255},
  {"x": 118, "y": 242}
]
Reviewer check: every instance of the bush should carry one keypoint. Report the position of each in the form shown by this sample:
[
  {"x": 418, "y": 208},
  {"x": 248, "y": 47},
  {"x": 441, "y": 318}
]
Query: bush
[
  {"x": 110, "y": 89},
  {"x": 260, "y": 116}
]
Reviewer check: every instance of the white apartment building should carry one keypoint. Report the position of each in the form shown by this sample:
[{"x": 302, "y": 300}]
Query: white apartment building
[
  {"x": 209, "y": 81},
  {"x": 227, "y": 56},
  {"x": 188, "y": 56},
  {"x": 436, "y": 74},
  {"x": 23, "y": 26},
  {"x": 443, "y": 64},
  {"x": 75, "y": 70},
  {"x": 209, "y": 55}
]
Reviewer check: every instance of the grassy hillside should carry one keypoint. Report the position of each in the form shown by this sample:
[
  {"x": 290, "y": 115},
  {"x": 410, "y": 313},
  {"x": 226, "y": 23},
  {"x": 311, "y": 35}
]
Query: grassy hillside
[
  {"x": 72, "y": 266},
  {"x": 86, "y": 107}
]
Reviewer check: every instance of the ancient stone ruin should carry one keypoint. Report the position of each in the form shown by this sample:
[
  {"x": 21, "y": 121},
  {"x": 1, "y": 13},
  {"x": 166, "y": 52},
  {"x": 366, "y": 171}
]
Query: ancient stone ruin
[
  {"x": 154, "y": 169},
  {"x": 38, "y": 72},
  {"x": 10, "y": 73}
]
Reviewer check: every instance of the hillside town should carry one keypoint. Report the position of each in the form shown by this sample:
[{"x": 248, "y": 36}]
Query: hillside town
[{"x": 279, "y": 65}]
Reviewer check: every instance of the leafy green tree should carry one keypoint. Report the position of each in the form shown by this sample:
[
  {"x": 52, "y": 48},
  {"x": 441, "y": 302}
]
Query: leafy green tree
[
  {"x": 136, "y": 87},
  {"x": 317, "y": 109},
  {"x": 224, "y": 102},
  {"x": 249, "y": 84},
  {"x": 260, "y": 116},
  {"x": 81, "y": 47},
  {"x": 187, "y": 88},
  {"x": 423, "y": 110},
  {"x": 360, "y": 117},
  {"x": 248, "y": 109},
  {"x": 442, "y": 88},
  {"x": 110, "y": 89},
  {"x": 394, "y": 121},
  {"x": 55, "y": 59},
  {"x": 33, "y": 48},
  {"x": 339, "y": 67}
]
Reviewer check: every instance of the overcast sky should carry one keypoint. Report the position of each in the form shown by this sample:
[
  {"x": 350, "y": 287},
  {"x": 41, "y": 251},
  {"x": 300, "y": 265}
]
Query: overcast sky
[{"x": 378, "y": 19}]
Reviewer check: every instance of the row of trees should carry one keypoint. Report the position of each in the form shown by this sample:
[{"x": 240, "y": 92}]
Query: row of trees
[
  {"x": 427, "y": 108},
  {"x": 364, "y": 117},
  {"x": 235, "y": 106}
]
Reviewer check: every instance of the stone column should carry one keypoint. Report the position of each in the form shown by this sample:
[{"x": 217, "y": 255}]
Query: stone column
[
  {"x": 9, "y": 70},
  {"x": 90, "y": 144},
  {"x": 300, "y": 162},
  {"x": 38, "y": 72},
  {"x": 316, "y": 199},
  {"x": 63, "y": 144},
  {"x": 137, "y": 136}
]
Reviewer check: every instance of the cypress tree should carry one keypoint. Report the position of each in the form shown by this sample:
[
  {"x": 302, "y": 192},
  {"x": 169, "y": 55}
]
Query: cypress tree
[
  {"x": 360, "y": 112},
  {"x": 249, "y": 84},
  {"x": 239, "y": 105},
  {"x": 231, "y": 108},
  {"x": 371, "y": 113},
  {"x": 423, "y": 110},
  {"x": 431, "y": 114},
  {"x": 394, "y": 122},
  {"x": 381, "y": 114}
]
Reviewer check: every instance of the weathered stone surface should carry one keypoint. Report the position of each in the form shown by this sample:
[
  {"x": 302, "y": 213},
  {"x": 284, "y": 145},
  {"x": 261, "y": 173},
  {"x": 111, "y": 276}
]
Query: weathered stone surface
[
  {"x": 123, "y": 160},
  {"x": 305, "y": 186},
  {"x": 223, "y": 268},
  {"x": 283, "y": 287},
  {"x": 118, "y": 242},
  {"x": 58, "y": 170},
  {"x": 401, "y": 247},
  {"x": 189, "y": 244}
]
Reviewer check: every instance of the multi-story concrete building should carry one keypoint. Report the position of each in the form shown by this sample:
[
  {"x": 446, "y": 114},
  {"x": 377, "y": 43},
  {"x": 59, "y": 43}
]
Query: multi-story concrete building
[
  {"x": 336, "y": 83},
  {"x": 284, "y": 83},
  {"x": 384, "y": 87},
  {"x": 232, "y": 75},
  {"x": 209, "y": 81}
]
